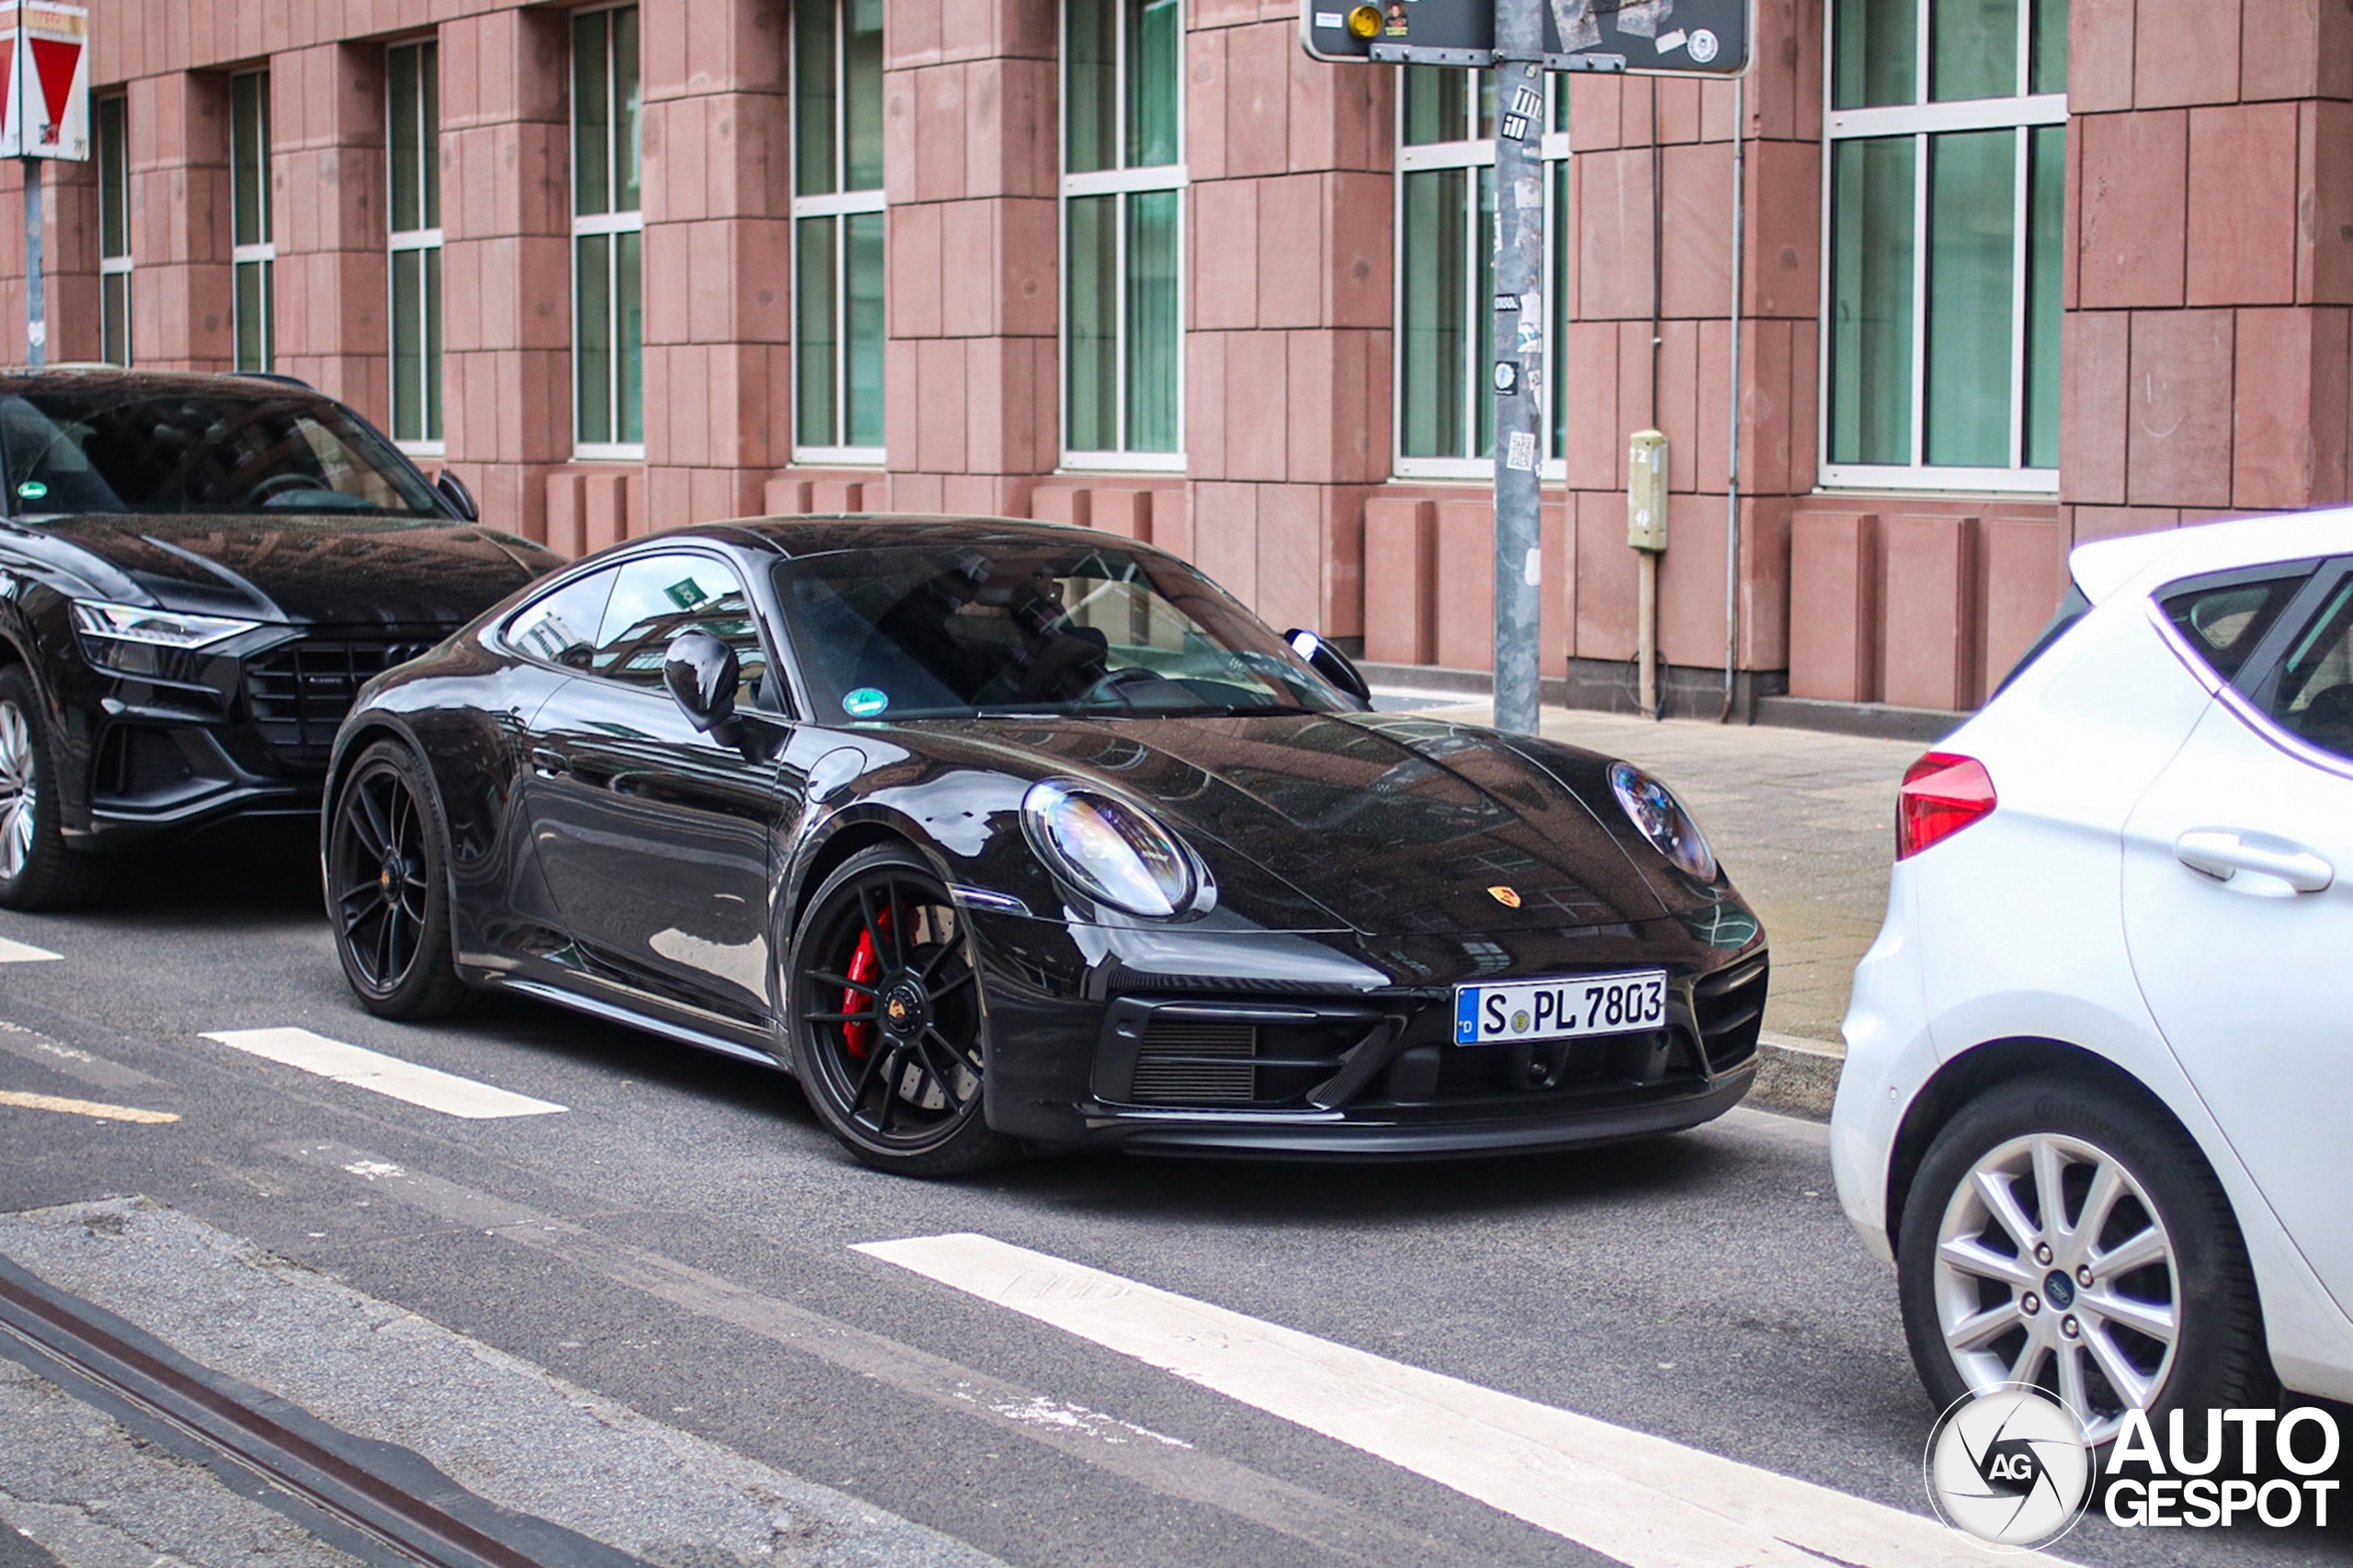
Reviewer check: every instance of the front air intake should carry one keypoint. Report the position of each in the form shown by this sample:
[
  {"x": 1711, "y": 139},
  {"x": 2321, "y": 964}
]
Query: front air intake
[{"x": 1189, "y": 1062}]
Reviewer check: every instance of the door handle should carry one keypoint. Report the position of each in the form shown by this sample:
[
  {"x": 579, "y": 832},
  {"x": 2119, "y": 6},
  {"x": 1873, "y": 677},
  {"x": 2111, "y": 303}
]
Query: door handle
[
  {"x": 2221, "y": 854},
  {"x": 547, "y": 764}
]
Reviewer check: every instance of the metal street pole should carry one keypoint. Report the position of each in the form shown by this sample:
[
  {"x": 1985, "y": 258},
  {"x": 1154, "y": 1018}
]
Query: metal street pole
[
  {"x": 36, "y": 294},
  {"x": 1519, "y": 336}
]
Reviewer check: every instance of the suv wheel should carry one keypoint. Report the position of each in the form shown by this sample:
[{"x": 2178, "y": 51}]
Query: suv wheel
[{"x": 38, "y": 869}]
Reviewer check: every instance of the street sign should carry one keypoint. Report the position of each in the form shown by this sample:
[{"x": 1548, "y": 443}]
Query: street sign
[
  {"x": 1643, "y": 37},
  {"x": 44, "y": 80}
]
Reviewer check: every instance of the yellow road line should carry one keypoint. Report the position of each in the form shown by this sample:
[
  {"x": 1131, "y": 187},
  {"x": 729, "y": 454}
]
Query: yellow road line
[{"x": 85, "y": 1108}]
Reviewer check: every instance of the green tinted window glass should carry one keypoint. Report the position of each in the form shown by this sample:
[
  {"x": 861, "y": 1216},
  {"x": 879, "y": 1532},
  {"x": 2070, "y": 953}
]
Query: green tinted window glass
[
  {"x": 1870, "y": 300},
  {"x": 626, "y": 106},
  {"x": 1974, "y": 49},
  {"x": 1153, "y": 82},
  {"x": 113, "y": 318},
  {"x": 1972, "y": 235},
  {"x": 1435, "y": 255},
  {"x": 814, "y": 67},
  {"x": 254, "y": 346},
  {"x": 815, "y": 348},
  {"x": 428, "y": 129},
  {"x": 1436, "y": 105},
  {"x": 408, "y": 345},
  {"x": 1877, "y": 52},
  {"x": 249, "y": 158},
  {"x": 114, "y": 181},
  {"x": 592, "y": 288},
  {"x": 629, "y": 273},
  {"x": 1090, "y": 86},
  {"x": 2045, "y": 219},
  {"x": 862, "y": 267},
  {"x": 592, "y": 126},
  {"x": 1091, "y": 344},
  {"x": 862, "y": 93},
  {"x": 406, "y": 181},
  {"x": 2047, "y": 72},
  {"x": 1152, "y": 343}
]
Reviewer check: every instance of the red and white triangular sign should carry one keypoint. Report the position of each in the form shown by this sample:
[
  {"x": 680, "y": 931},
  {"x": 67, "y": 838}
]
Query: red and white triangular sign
[{"x": 50, "y": 105}]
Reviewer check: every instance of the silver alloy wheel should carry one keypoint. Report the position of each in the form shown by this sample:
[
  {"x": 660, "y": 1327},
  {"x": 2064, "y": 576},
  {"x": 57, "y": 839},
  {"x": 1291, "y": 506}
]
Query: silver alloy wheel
[
  {"x": 2053, "y": 1268},
  {"x": 19, "y": 792}
]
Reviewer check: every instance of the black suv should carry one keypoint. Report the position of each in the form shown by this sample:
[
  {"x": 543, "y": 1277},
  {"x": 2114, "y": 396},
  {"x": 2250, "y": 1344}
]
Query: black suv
[{"x": 197, "y": 575}]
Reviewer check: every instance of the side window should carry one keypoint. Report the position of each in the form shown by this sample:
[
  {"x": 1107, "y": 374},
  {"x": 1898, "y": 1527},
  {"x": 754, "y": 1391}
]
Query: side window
[
  {"x": 2224, "y": 618},
  {"x": 657, "y": 597},
  {"x": 2313, "y": 694},
  {"x": 561, "y": 626}
]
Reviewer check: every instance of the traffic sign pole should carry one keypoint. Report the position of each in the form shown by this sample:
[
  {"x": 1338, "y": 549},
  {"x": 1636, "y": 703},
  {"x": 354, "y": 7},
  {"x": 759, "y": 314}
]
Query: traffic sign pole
[
  {"x": 36, "y": 294},
  {"x": 1521, "y": 333}
]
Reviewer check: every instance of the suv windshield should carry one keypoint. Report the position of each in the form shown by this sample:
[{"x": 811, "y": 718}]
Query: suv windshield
[
  {"x": 1023, "y": 628},
  {"x": 100, "y": 449}
]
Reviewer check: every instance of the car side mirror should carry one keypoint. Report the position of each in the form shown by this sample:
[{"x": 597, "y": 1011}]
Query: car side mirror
[
  {"x": 461, "y": 500},
  {"x": 1328, "y": 662},
  {"x": 701, "y": 674}
]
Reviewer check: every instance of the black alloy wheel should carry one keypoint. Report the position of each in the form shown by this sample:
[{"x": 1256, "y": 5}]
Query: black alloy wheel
[
  {"x": 38, "y": 869},
  {"x": 388, "y": 891},
  {"x": 888, "y": 1026},
  {"x": 2063, "y": 1234}
]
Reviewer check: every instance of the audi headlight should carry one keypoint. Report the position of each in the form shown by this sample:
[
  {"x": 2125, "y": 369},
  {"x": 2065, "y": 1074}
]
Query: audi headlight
[
  {"x": 1652, "y": 808},
  {"x": 131, "y": 640},
  {"x": 1113, "y": 851}
]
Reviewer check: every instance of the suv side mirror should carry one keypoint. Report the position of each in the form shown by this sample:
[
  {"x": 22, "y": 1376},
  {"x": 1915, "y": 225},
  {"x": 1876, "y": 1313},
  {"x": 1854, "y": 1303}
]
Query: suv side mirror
[
  {"x": 701, "y": 674},
  {"x": 1328, "y": 662},
  {"x": 461, "y": 500}
]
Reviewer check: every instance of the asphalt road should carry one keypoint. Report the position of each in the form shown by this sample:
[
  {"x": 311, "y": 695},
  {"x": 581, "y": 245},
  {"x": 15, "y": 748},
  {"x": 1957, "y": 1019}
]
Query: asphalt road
[{"x": 644, "y": 1316}]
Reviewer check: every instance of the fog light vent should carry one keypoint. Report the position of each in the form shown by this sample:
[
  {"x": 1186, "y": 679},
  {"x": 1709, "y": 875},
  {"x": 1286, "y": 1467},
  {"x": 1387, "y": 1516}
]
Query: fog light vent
[{"x": 1185, "y": 1062}]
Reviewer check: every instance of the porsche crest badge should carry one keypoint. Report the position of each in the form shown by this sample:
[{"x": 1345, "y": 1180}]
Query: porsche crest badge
[{"x": 1506, "y": 896}]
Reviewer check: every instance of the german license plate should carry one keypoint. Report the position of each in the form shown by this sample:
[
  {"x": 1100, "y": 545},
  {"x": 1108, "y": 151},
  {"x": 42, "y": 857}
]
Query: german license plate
[{"x": 1568, "y": 1008}]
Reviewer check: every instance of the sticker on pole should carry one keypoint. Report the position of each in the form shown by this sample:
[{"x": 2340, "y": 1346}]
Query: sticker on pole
[
  {"x": 45, "y": 81},
  {"x": 1641, "y": 38}
]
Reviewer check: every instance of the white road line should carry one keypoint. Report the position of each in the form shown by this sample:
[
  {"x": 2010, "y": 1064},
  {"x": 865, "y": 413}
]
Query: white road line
[
  {"x": 389, "y": 1075},
  {"x": 1645, "y": 1501},
  {"x": 24, "y": 952}
]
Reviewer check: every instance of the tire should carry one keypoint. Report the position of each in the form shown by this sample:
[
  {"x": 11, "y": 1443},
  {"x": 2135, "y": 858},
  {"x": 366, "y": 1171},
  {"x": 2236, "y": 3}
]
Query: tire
[
  {"x": 388, "y": 887},
  {"x": 2156, "y": 1286},
  {"x": 38, "y": 869},
  {"x": 888, "y": 1027}
]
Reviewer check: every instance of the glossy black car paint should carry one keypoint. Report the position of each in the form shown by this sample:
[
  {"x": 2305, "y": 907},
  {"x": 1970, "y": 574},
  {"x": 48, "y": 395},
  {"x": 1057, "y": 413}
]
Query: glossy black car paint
[
  {"x": 608, "y": 854},
  {"x": 244, "y": 726}
]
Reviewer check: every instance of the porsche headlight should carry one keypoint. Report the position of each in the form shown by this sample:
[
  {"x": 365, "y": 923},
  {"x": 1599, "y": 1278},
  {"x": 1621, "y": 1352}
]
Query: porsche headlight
[
  {"x": 1111, "y": 849},
  {"x": 128, "y": 637},
  {"x": 1652, "y": 808}
]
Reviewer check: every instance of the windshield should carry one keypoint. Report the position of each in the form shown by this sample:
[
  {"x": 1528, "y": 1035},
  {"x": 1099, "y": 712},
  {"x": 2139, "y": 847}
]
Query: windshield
[
  {"x": 1019, "y": 628},
  {"x": 91, "y": 449}
]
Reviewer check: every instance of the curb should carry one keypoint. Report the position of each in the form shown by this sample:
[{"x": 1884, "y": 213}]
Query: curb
[{"x": 1795, "y": 1075}]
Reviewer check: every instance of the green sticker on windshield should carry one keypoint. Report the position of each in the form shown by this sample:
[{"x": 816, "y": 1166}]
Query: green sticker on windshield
[
  {"x": 864, "y": 703},
  {"x": 31, "y": 490}
]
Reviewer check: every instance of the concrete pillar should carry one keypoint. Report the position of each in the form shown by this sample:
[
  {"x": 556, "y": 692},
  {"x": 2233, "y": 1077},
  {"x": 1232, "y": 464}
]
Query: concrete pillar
[
  {"x": 182, "y": 293},
  {"x": 717, "y": 258},
  {"x": 971, "y": 175},
  {"x": 507, "y": 278},
  {"x": 328, "y": 179},
  {"x": 69, "y": 260}
]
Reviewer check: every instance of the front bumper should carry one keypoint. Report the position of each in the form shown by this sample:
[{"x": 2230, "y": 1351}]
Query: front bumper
[{"x": 1107, "y": 1054}]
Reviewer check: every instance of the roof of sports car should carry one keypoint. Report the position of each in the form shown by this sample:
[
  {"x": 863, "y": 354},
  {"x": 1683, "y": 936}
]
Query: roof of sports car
[{"x": 827, "y": 535}]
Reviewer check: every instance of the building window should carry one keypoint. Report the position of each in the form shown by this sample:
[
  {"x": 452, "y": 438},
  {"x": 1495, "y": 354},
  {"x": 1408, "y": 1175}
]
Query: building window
[
  {"x": 1946, "y": 170},
  {"x": 837, "y": 230},
  {"x": 254, "y": 251},
  {"x": 609, "y": 308},
  {"x": 114, "y": 231},
  {"x": 412, "y": 140},
  {"x": 1446, "y": 247},
  {"x": 1123, "y": 181}
]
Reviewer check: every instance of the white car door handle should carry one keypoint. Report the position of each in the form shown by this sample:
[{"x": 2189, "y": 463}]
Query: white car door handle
[{"x": 2221, "y": 854}]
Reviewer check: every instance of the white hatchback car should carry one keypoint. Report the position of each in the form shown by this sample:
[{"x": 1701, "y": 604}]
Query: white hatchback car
[{"x": 2097, "y": 1104}]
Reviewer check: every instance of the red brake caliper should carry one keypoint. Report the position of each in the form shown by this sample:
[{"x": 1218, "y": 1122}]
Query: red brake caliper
[{"x": 864, "y": 965}]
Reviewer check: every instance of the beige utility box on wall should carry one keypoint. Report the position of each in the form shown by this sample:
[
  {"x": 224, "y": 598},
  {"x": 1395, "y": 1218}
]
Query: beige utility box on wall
[{"x": 1646, "y": 490}]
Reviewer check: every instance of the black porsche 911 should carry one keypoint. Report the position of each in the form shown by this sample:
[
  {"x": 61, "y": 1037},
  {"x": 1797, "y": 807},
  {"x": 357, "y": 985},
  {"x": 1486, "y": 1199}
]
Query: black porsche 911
[
  {"x": 1003, "y": 834},
  {"x": 197, "y": 574}
]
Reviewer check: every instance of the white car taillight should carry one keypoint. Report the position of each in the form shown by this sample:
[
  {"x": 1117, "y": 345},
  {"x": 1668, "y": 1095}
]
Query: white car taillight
[{"x": 1942, "y": 793}]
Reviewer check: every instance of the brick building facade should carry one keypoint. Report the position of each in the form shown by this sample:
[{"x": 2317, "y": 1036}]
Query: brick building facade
[{"x": 2009, "y": 278}]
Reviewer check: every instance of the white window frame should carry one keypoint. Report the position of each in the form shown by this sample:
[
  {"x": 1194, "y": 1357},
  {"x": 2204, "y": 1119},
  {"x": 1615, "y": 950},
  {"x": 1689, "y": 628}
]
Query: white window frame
[
  {"x": 398, "y": 242},
  {"x": 117, "y": 266},
  {"x": 839, "y": 204},
  {"x": 1122, "y": 183},
  {"x": 1919, "y": 120},
  {"x": 1475, "y": 153},
  {"x": 604, "y": 223},
  {"x": 264, "y": 251}
]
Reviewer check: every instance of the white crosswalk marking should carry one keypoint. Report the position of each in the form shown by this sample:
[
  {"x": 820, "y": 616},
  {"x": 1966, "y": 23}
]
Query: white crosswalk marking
[
  {"x": 23, "y": 952},
  {"x": 388, "y": 1075},
  {"x": 1645, "y": 1501}
]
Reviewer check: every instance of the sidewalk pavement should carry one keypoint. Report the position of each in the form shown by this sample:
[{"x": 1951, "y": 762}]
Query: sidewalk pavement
[{"x": 1805, "y": 823}]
